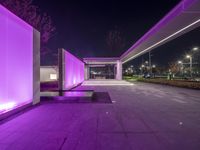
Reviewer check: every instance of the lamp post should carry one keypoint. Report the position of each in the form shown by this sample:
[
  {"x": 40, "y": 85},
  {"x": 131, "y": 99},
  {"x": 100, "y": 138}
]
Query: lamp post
[
  {"x": 190, "y": 57},
  {"x": 181, "y": 66},
  {"x": 150, "y": 62},
  {"x": 142, "y": 68}
]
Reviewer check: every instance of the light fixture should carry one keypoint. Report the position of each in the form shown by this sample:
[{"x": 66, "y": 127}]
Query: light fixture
[
  {"x": 195, "y": 49},
  {"x": 7, "y": 106},
  {"x": 53, "y": 76},
  {"x": 188, "y": 56}
]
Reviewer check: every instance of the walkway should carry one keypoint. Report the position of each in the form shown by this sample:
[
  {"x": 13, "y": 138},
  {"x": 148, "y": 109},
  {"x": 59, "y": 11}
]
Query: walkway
[{"x": 142, "y": 117}]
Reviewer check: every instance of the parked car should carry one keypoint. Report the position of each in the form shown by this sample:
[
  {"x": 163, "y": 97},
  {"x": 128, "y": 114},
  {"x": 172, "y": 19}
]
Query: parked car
[{"x": 147, "y": 75}]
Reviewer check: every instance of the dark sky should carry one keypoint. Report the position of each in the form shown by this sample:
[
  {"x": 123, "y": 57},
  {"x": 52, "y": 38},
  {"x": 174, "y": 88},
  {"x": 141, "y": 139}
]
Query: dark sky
[{"x": 82, "y": 26}]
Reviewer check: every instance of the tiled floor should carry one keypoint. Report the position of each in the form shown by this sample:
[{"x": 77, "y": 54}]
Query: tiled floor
[{"x": 142, "y": 117}]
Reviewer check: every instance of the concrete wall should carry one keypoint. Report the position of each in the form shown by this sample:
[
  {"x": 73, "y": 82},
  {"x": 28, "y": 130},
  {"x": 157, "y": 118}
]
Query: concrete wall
[{"x": 71, "y": 70}]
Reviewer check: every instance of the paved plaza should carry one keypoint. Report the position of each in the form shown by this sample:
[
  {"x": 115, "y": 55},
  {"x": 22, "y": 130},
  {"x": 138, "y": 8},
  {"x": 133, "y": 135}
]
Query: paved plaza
[{"x": 141, "y": 116}]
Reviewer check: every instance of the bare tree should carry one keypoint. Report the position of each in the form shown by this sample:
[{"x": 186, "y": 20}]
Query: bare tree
[
  {"x": 32, "y": 15},
  {"x": 115, "y": 41},
  {"x": 174, "y": 67}
]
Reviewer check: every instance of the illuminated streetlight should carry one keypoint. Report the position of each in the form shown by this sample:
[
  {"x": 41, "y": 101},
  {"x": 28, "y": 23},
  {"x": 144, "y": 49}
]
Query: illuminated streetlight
[
  {"x": 195, "y": 49},
  {"x": 180, "y": 62},
  {"x": 154, "y": 66},
  {"x": 181, "y": 66},
  {"x": 190, "y": 57},
  {"x": 142, "y": 66}
]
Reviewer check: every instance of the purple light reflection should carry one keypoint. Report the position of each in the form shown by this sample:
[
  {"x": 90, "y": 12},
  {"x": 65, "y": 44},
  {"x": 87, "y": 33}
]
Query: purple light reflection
[
  {"x": 16, "y": 59},
  {"x": 74, "y": 71}
]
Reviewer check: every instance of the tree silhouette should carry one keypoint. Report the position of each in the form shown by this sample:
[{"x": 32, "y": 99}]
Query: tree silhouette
[
  {"x": 115, "y": 42},
  {"x": 32, "y": 15},
  {"x": 174, "y": 67}
]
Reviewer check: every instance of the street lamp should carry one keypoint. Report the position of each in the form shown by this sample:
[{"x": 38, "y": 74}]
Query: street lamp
[
  {"x": 180, "y": 62},
  {"x": 181, "y": 66},
  {"x": 153, "y": 66},
  {"x": 190, "y": 57},
  {"x": 195, "y": 49}
]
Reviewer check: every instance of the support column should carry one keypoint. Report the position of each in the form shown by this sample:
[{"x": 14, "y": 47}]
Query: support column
[
  {"x": 61, "y": 69},
  {"x": 86, "y": 72},
  {"x": 119, "y": 70},
  {"x": 36, "y": 66}
]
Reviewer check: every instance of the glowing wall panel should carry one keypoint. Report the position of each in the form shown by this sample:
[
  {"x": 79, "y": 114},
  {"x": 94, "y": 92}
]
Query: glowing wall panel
[
  {"x": 16, "y": 61},
  {"x": 71, "y": 70}
]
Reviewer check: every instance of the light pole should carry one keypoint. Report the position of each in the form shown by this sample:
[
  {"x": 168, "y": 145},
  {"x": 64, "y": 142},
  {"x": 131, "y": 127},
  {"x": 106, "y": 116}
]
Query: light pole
[
  {"x": 181, "y": 66},
  {"x": 150, "y": 62},
  {"x": 190, "y": 57},
  {"x": 153, "y": 70},
  {"x": 195, "y": 49},
  {"x": 142, "y": 68}
]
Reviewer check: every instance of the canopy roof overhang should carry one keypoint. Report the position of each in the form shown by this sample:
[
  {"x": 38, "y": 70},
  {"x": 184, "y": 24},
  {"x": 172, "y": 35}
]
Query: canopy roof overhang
[
  {"x": 180, "y": 20},
  {"x": 100, "y": 60}
]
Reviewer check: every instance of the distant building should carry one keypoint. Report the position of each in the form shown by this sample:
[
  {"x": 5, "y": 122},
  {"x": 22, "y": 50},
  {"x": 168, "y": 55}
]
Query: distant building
[{"x": 48, "y": 73}]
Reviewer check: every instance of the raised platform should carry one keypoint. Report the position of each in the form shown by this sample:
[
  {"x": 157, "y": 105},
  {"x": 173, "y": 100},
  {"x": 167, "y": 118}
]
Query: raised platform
[
  {"x": 106, "y": 82},
  {"x": 67, "y": 96}
]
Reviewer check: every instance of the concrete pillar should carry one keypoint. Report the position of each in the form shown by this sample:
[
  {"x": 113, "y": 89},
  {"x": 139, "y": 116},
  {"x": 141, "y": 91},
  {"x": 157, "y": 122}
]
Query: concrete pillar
[
  {"x": 86, "y": 72},
  {"x": 61, "y": 68},
  {"x": 36, "y": 66},
  {"x": 119, "y": 70}
]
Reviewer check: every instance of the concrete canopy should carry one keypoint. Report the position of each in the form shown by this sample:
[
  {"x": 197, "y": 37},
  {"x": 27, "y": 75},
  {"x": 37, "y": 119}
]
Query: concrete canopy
[
  {"x": 100, "y": 60},
  {"x": 180, "y": 20}
]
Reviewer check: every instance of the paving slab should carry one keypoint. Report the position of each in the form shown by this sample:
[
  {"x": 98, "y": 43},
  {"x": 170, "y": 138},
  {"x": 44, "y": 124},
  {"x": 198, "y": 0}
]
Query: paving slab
[{"x": 141, "y": 116}]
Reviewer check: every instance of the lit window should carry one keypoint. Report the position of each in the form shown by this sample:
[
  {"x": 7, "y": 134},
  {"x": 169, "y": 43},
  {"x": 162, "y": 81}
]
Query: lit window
[{"x": 53, "y": 76}]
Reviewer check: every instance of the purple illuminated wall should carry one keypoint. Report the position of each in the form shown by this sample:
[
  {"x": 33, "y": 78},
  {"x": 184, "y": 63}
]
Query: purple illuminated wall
[
  {"x": 16, "y": 61},
  {"x": 72, "y": 70}
]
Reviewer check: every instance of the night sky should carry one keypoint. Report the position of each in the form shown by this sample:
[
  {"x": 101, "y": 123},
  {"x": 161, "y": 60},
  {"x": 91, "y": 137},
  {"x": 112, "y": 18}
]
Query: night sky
[{"x": 82, "y": 26}]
